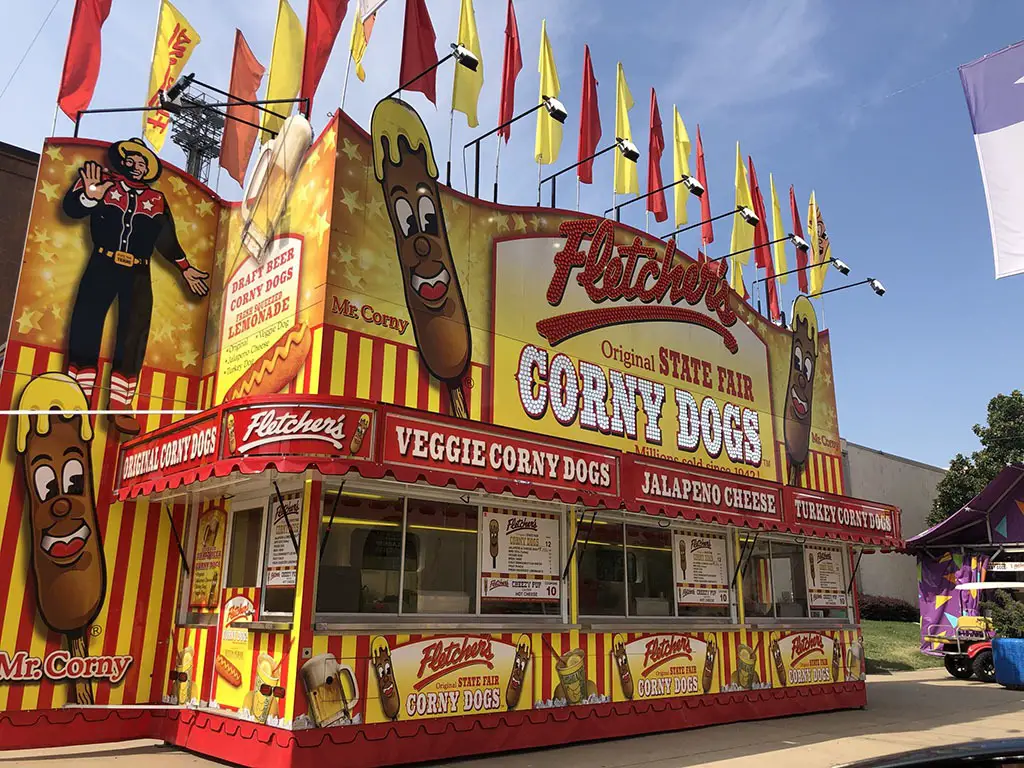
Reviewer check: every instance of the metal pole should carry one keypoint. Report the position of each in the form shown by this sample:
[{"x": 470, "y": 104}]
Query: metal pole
[
  {"x": 344, "y": 83},
  {"x": 497, "y": 159},
  {"x": 476, "y": 170},
  {"x": 451, "y": 122},
  {"x": 577, "y": 192},
  {"x": 554, "y": 181}
]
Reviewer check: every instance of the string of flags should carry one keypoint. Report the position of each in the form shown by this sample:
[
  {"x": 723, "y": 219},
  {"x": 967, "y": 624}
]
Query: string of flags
[{"x": 299, "y": 56}]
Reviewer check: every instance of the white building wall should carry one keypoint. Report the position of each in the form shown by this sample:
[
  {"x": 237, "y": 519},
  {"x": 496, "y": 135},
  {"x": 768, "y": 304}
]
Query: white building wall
[{"x": 910, "y": 485}]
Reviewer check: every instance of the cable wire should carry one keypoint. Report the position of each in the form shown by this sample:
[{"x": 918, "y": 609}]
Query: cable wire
[{"x": 28, "y": 50}]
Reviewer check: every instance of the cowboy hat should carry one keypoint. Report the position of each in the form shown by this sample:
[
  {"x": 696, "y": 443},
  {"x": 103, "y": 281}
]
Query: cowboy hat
[{"x": 119, "y": 149}]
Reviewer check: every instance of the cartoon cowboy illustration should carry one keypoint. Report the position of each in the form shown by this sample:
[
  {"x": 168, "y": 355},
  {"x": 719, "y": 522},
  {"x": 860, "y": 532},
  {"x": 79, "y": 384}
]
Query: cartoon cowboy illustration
[{"x": 127, "y": 220}]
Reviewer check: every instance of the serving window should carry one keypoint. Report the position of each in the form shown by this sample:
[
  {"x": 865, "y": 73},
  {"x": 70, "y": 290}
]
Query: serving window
[
  {"x": 788, "y": 579},
  {"x": 408, "y": 556},
  {"x": 633, "y": 570}
]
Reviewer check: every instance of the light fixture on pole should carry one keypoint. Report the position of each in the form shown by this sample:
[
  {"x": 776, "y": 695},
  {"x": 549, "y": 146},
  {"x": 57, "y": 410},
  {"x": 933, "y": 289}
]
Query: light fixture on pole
[
  {"x": 876, "y": 286},
  {"x": 842, "y": 266},
  {"x": 554, "y": 107},
  {"x": 695, "y": 187},
  {"x": 625, "y": 146},
  {"x": 748, "y": 216},
  {"x": 460, "y": 53},
  {"x": 799, "y": 242}
]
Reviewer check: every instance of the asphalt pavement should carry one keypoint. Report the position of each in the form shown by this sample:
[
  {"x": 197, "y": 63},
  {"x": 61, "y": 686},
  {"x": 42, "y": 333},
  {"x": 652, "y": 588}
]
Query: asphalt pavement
[{"x": 906, "y": 710}]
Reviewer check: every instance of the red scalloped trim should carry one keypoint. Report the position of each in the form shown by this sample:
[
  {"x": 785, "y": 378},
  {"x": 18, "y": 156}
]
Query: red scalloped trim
[{"x": 249, "y": 744}]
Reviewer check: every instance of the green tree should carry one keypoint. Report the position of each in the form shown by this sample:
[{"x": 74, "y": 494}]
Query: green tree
[{"x": 1002, "y": 443}]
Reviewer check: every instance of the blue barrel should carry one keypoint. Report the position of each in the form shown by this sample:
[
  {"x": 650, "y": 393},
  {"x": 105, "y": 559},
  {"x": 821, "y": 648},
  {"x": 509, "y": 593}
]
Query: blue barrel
[{"x": 1008, "y": 656}]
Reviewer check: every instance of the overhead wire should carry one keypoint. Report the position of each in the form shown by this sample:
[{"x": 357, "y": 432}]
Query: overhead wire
[{"x": 28, "y": 50}]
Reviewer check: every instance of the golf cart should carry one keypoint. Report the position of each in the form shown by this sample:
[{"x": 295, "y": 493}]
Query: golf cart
[{"x": 969, "y": 652}]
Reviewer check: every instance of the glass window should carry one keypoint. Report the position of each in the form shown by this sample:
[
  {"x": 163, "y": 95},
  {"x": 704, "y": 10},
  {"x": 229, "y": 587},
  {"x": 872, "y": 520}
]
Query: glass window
[
  {"x": 444, "y": 579},
  {"x": 244, "y": 550},
  {"x": 651, "y": 588},
  {"x": 757, "y": 578},
  {"x": 789, "y": 586},
  {"x": 704, "y": 576},
  {"x": 521, "y": 565},
  {"x": 602, "y": 572},
  {"x": 359, "y": 571},
  {"x": 281, "y": 553}
]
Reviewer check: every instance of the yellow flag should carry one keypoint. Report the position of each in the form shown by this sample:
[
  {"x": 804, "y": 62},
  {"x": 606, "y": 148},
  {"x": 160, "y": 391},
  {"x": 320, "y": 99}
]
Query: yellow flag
[
  {"x": 549, "y": 130},
  {"x": 742, "y": 232},
  {"x": 175, "y": 41},
  {"x": 778, "y": 232},
  {"x": 357, "y": 45},
  {"x": 821, "y": 249},
  {"x": 625, "y": 170},
  {"x": 285, "y": 67},
  {"x": 467, "y": 84},
  {"x": 681, "y": 155}
]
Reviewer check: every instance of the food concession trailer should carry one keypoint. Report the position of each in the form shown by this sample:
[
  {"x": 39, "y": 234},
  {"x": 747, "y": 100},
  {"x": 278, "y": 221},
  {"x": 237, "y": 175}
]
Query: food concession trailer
[{"x": 420, "y": 477}]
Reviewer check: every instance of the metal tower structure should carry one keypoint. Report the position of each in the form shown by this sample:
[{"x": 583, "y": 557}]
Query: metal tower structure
[{"x": 198, "y": 132}]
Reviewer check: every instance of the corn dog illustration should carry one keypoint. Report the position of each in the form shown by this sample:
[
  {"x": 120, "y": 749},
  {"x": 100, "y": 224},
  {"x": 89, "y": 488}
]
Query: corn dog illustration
[
  {"x": 514, "y": 689},
  {"x": 800, "y": 389},
  {"x": 710, "y": 655},
  {"x": 380, "y": 660},
  {"x": 780, "y": 668},
  {"x": 232, "y": 440},
  {"x": 357, "y": 439},
  {"x": 404, "y": 165},
  {"x": 622, "y": 665},
  {"x": 66, "y": 553},
  {"x": 493, "y": 527},
  {"x": 837, "y": 658}
]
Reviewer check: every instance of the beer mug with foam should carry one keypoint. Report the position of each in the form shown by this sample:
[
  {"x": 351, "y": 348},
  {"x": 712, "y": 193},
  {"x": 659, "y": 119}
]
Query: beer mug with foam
[{"x": 330, "y": 689}]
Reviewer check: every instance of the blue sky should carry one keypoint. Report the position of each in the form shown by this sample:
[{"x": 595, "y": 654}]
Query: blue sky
[{"x": 860, "y": 101}]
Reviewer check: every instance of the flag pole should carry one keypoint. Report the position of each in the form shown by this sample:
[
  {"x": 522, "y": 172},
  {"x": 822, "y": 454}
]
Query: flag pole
[
  {"x": 451, "y": 123},
  {"x": 344, "y": 83},
  {"x": 497, "y": 161},
  {"x": 577, "y": 192}
]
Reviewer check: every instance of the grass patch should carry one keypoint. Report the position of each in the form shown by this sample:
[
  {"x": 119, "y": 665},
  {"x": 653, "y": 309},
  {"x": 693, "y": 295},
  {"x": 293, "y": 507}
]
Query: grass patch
[{"x": 894, "y": 646}]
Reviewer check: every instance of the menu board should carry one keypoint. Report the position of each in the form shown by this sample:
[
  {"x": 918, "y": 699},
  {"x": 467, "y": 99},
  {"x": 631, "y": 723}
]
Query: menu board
[
  {"x": 701, "y": 567},
  {"x": 520, "y": 556},
  {"x": 211, "y": 533},
  {"x": 823, "y": 567},
  {"x": 282, "y": 557}
]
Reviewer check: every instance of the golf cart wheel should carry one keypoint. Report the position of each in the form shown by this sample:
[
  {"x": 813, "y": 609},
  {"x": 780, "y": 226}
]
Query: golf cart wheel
[
  {"x": 984, "y": 668},
  {"x": 959, "y": 666}
]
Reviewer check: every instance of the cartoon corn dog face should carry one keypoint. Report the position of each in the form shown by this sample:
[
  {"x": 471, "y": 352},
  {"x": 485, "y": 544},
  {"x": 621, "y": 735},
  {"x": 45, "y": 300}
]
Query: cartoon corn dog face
[
  {"x": 357, "y": 438},
  {"x": 404, "y": 165},
  {"x": 514, "y": 689},
  {"x": 622, "y": 665},
  {"x": 380, "y": 660},
  {"x": 67, "y": 554},
  {"x": 493, "y": 530},
  {"x": 800, "y": 389}
]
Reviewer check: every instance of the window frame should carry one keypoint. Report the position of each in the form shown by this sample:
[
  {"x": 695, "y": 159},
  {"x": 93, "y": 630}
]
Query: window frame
[
  {"x": 408, "y": 492},
  {"x": 267, "y": 521}
]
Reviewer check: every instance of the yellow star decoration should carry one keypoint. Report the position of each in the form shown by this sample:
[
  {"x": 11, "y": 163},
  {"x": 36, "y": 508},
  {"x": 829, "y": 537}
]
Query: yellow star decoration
[
  {"x": 303, "y": 194},
  {"x": 344, "y": 254},
  {"x": 187, "y": 357},
  {"x": 29, "y": 321},
  {"x": 502, "y": 224},
  {"x": 320, "y": 227},
  {"x": 1020, "y": 506},
  {"x": 178, "y": 184},
  {"x": 58, "y": 312},
  {"x": 50, "y": 191},
  {"x": 375, "y": 207},
  {"x": 350, "y": 199},
  {"x": 204, "y": 208},
  {"x": 519, "y": 222},
  {"x": 76, "y": 162},
  {"x": 330, "y": 139},
  {"x": 40, "y": 237},
  {"x": 351, "y": 150},
  {"x": 538, "y": 223},
  {"x": 47, "y": 255},
  {"x": 55, "y": 153}
]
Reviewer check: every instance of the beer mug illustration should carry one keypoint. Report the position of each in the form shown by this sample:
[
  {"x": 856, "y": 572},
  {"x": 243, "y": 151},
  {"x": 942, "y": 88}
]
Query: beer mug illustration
[
  {"x": 493, "y": 528},
  {"x": 517, "y": 676},
  {"x": 232, "y": 443},
  {"x": 380, "y": 660},
  {"x": 855, "y": 661},
  {"x": 780, "y": 668},
  {"x": 746, "y": 674},
  {"x": 330, "y": 690},
  {"x": 267, "y": 690},
  {"x": 622, "y": 665},
  {"x": 572, "y": 672},
  {"x": 181, "y": 676},
  {"x": 357, "y": 439},
  {"x": 710, "y": 655}
]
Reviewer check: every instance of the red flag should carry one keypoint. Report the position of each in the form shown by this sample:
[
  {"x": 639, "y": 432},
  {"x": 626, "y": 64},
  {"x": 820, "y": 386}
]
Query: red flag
[
  {"x": 323, "y": 20},
  {"x": 656, "y": 145},
  {"x": 82, "y": 58},
  {"x": 239, "y": 138},
  {"x": 419, "y": 51},
  {"x": 707, "y": 231},
  {"x": 510, "y": 67},
  {"x": 762, "y": 252},
  {"x": 590, "y": 121},
  {"x": 798, "y": 230}
]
